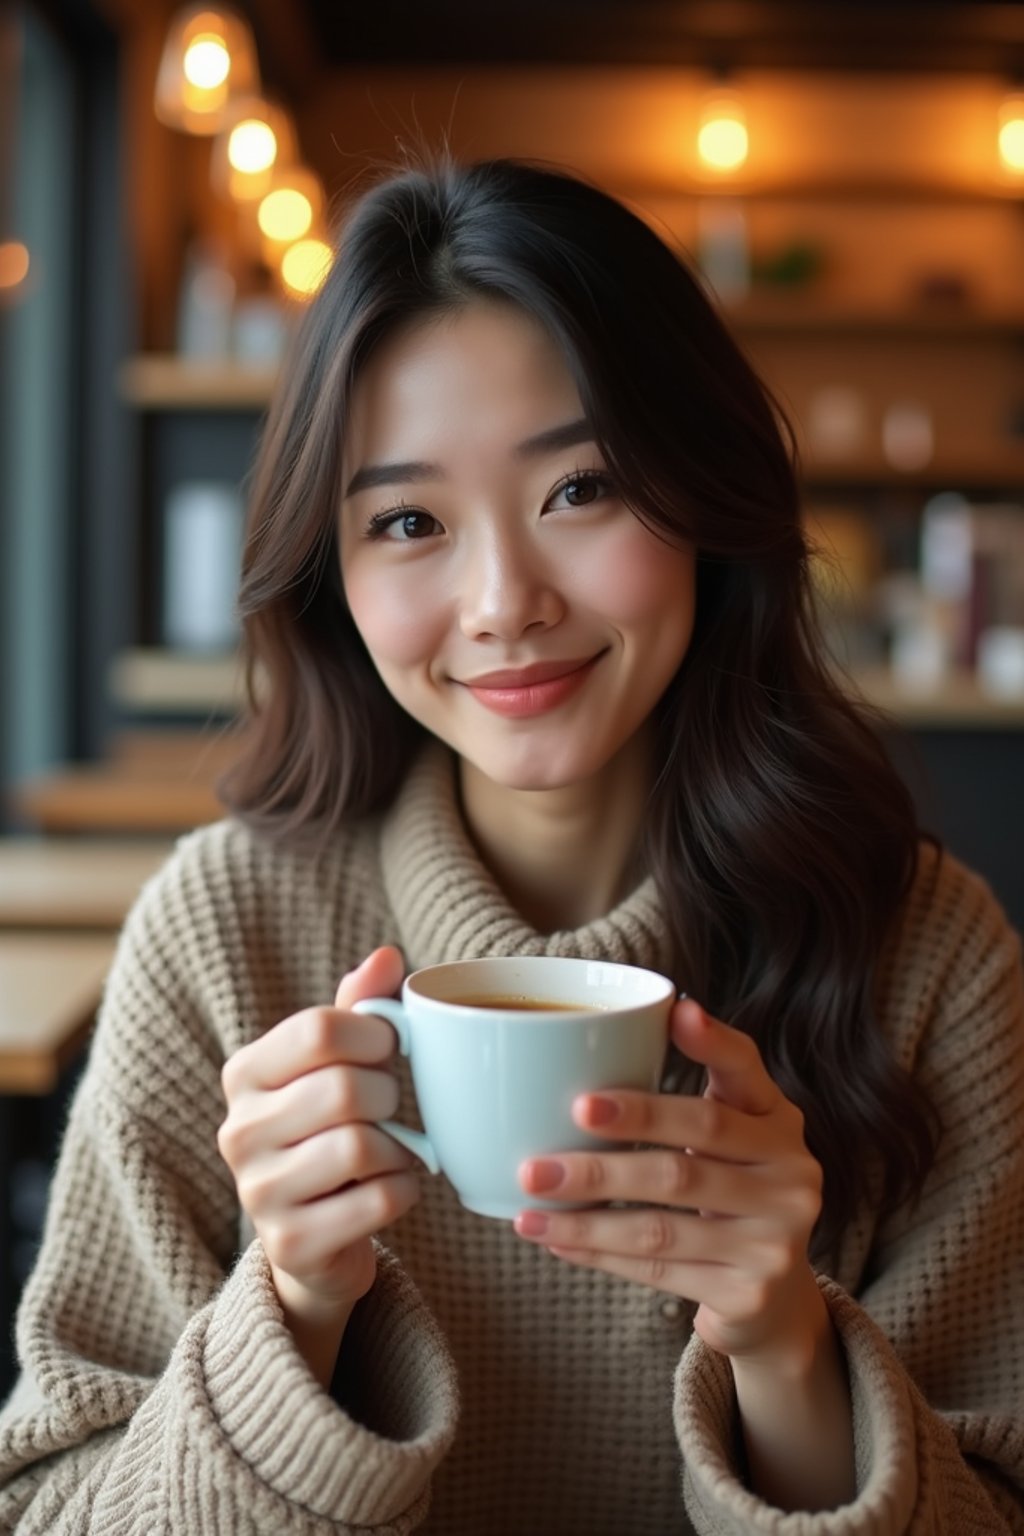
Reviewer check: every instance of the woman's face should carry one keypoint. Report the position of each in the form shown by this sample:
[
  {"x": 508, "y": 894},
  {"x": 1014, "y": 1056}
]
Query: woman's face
[{"x": 511, "y": 601}]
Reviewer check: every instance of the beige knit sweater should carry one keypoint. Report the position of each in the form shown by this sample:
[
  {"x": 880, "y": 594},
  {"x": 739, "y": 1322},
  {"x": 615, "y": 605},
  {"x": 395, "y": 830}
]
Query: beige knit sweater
[{"x": 161, "y": 1392}]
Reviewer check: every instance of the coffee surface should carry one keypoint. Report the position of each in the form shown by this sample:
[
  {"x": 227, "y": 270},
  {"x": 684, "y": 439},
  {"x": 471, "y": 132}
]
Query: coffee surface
[{"x": 521, "y": 1004}]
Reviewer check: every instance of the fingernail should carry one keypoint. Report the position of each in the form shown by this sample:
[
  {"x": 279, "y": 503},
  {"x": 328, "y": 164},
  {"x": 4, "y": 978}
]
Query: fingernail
[
  {"x": 546, "y": 1173},
  {"x": 531, "y": 1223},
  {"x": 601, "y": 1111}
]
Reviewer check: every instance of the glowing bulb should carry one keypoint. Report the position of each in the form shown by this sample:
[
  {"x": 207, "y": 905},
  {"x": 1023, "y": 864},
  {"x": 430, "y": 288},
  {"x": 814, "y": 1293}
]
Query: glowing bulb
[
  {"x": 14, "y": 263},
  {"x": 252, "y": 146},
  {"x": 285, "y": 214},
  {"x": 723, "y": 141},
  {"x": 207, "y": 62},
  {"x": 305, "y": 265},
  {"x": 1011, "y": 134}
]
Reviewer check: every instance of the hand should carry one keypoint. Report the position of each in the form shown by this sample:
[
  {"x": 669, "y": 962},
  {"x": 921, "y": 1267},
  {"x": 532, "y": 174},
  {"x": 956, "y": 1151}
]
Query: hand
[
  {"x": 313, "y": 1172},
  {"x": 730, "y": 1195}
]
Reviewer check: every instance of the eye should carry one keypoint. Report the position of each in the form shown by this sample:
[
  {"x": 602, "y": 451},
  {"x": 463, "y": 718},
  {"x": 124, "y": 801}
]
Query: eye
[
  {"x": 581, "y": 489},
  {"x": 402, "y": 525}
]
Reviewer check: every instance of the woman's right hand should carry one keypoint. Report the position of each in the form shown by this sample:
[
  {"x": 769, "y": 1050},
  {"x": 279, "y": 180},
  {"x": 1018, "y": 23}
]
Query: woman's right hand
[{"x": 314, "y": 1173}]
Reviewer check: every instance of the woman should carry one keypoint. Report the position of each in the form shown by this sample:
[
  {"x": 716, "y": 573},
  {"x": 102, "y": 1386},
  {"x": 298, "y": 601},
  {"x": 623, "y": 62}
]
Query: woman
[{"x": 526, "y": 584}]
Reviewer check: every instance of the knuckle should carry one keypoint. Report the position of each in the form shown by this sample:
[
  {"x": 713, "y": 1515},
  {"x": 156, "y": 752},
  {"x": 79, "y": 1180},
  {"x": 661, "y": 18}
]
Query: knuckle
[
  {"x": 231, "y": 1074},
  {"x": 673, "y": 1176},
  {"x": 642, "y": 1109},
  {"x": 225, "y": 1140},
  {"x": 356, "y": 1149},
  {"x": 655, "y": 1272},
  {"x": 593, "y": 1174},
  {"x": 341, "y": 1094},
  {"x": 392, "y": 1197},
  {"x": 574, "y": 1231},
  {"x": 255, "y": 1192},
  {"x": 317, "y": 1030},
  {"x": 233, "y": 1141},
  {"x": 656, "y": 1235}
]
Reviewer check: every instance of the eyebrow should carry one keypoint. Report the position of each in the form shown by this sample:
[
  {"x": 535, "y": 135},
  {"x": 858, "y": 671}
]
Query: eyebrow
[{"x": 569, "y": 435}]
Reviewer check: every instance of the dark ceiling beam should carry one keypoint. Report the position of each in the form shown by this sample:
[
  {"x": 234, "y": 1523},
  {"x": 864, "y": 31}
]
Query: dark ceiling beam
[{"x": 940, "y": 35}]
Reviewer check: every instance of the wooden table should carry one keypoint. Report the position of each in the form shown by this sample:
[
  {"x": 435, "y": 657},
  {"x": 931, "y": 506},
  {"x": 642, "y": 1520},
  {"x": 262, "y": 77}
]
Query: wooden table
[
  {"x": 150, "y": 783},
  {"x": 50, "y": 986},
  {"x": 81, "y": 883}
]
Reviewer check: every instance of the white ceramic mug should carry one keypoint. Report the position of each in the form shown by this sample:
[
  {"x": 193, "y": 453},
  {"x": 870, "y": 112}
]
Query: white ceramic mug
[{"x": 495, "y": 1084}]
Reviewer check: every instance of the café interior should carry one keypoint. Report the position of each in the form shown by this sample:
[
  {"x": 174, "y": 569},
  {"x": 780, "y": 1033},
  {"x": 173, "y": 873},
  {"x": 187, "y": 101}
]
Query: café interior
[{"x": 846, "y": 180}]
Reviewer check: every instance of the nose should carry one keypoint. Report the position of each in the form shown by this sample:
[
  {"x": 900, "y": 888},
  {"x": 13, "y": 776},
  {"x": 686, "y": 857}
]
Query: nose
[{"x": 506, "y": 591}]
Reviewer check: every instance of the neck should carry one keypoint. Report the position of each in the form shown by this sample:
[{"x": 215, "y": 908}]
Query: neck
[{"x": 564, "y": 857}]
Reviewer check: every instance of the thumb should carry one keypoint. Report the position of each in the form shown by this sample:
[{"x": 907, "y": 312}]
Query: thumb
[{"x": 379, "y": 975}]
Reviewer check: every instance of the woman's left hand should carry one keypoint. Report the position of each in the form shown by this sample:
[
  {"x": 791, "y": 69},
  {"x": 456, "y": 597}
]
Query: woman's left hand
[{"x": 729, "y": 1195}]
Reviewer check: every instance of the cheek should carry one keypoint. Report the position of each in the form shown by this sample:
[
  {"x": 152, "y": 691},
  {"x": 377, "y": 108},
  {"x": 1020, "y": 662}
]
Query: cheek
[
  {"x": 399, "y": 627},
  {"x": 640, "y": 582}
]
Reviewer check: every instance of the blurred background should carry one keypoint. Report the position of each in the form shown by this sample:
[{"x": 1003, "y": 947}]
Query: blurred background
[{"x": 847, "y": 178}]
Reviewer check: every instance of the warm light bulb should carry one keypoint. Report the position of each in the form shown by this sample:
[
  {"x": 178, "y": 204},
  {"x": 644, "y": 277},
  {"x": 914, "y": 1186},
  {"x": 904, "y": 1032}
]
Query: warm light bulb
[
  {"x": 285, "y": 214},
  {"x": 723, "y": 141},
  {"x": 1011, "y": 134},
  {"x": 305, "y": 265},
  {"x": 14, "y": 263},
  {"x": 207, "y": 62},
  {"x": 252, "y": 146}
]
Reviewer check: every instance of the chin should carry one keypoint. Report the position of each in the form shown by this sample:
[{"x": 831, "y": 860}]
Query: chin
[{"x": 533, "y": 769}]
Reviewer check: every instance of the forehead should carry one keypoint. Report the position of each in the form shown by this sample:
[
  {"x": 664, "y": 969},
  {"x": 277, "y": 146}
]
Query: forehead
[{"x": 487, "y": 367}]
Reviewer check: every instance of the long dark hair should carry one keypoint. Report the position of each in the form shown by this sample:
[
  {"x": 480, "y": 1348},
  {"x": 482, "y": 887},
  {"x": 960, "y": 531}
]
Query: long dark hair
[{"x": 779, "y": 835}]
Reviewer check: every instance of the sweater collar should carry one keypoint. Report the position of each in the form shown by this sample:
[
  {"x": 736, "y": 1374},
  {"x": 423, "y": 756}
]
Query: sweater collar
[{"x": 448, "y": 907}]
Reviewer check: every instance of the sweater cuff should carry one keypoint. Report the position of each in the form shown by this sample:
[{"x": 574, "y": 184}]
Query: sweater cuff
[
  {"x": 884, "y": 1432},
  {"x": 293, "y": 1435}
]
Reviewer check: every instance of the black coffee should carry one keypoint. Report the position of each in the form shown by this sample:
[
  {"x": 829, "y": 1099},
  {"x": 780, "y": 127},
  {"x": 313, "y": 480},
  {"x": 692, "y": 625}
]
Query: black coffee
[{"x": 521, "y": 1004}]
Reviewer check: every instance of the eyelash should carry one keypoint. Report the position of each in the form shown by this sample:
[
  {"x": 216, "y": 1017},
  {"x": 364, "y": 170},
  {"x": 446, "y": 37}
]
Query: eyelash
[{"x": 378, "y": 525}]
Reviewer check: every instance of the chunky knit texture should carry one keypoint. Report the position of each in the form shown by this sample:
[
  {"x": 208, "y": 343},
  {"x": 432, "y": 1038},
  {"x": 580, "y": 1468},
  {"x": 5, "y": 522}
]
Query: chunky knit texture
[{"x": 161, "y": 1392}]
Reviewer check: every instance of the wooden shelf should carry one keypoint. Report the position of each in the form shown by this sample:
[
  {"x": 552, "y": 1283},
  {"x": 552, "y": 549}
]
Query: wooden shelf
[
  {"x": 160, "y": 381},
  {"x": 158, "y": 682},
  {"x": 958, "y": 703},
  {"x": 149, "y": 677},
  {"x": 809, "y": 315},
  {"x": 1001, "y": 468}
]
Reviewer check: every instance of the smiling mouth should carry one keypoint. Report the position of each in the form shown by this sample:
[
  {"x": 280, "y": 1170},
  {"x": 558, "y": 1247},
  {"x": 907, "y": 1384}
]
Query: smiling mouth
[{"x": 532, "y": 690}]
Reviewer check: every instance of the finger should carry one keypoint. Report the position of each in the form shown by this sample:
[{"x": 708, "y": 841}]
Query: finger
[
  {"x": 309, "y": 1236},
  {"x": 661, "y": 1177},
  {"x": 705, "y": 1284},
  {"x": 379, "y": 975},
  {"x": 736, "y": 1073},
  {"x": 320, "y": 1165},
  {"x": 675, "y": 1120},
  {"x": 312, "y": 1103},
  {"x": 315, "y": 1038},
  {"x": 652, "y": 1233}
]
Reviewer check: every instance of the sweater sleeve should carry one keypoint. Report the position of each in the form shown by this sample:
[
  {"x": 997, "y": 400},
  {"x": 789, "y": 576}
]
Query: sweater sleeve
[
  {"x": 933, "y": 1339},
  {"x": 160, "y": 1389}
]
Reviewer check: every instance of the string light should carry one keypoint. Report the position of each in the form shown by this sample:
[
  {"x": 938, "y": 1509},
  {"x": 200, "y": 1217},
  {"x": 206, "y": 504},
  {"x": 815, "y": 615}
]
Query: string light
[
  {"x": 14, "y": 264},
  {"x": 304, "y": 267},
  {"x": 1011, "y": 134},
  {"x": 722, "y": 139},
  {"x": 208, "y": 63},
  {"x": 289, "y": 210},
  {"x": 257, "y": 138}
]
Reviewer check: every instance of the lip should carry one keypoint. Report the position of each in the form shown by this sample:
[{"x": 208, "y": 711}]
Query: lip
[
  {"x": 534, "y": 690},
  {"x": 527, "y": 677}
]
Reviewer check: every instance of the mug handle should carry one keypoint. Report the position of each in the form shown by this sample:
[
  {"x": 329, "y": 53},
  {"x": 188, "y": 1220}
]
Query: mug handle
[{"x": 413, "y": 1141}]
